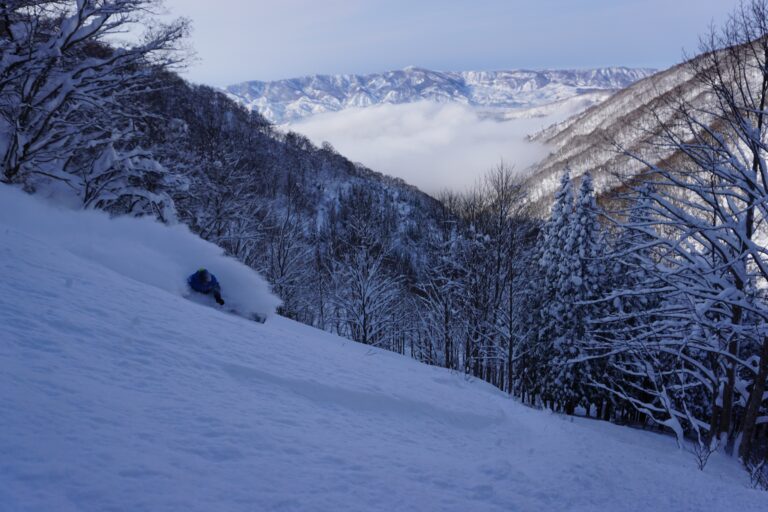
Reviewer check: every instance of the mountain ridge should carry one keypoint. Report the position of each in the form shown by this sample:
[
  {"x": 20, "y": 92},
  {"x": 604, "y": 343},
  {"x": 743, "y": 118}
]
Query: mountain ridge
[
  {"x": 290, "y": 100},
  {"x": 589, "y": 141}
]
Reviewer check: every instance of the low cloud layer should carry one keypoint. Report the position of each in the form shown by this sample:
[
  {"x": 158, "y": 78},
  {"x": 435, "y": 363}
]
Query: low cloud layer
[{"x": 431, "y": 145}]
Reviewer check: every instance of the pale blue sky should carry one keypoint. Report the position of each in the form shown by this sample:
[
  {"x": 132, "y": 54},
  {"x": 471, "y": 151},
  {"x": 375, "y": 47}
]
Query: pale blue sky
[{"x": 238, "y": 40}]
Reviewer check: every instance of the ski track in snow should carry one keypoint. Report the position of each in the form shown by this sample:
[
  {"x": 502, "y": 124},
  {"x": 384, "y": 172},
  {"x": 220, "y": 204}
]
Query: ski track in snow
[{"x": 119, "y": 396}]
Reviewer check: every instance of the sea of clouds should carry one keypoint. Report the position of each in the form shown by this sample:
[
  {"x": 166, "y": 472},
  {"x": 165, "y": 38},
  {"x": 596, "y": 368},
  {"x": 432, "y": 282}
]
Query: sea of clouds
[{"x": 435, "y": 146}]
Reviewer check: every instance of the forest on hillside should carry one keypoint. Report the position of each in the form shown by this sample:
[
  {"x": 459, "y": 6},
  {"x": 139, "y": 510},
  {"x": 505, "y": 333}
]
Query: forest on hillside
[{"x": 649, "y": 311}]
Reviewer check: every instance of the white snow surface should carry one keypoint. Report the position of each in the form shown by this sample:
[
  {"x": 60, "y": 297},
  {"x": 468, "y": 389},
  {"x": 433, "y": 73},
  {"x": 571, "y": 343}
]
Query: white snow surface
[{"x": 119, "y": 395}]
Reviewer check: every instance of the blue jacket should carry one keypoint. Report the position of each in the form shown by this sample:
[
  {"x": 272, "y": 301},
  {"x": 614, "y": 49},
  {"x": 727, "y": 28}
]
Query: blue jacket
[{"x": 197, "y": 284}]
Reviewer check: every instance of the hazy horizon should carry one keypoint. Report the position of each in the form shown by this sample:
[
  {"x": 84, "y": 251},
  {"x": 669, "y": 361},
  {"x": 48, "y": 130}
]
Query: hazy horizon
[{"x": 271, "y": 40}]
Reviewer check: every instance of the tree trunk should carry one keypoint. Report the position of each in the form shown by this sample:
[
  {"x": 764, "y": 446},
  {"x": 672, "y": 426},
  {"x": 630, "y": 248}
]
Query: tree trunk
[
  {"x": 753, "y": 404},
  {"x": 714, "y": 420},
  {"x": 608, "y": 405},
  {"x": 724, "y": 430}
]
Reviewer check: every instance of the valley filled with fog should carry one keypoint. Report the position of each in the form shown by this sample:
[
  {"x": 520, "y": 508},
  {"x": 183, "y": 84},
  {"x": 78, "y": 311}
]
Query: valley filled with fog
[
  {"x": 435, "y": 146},
  {"x": 434, "y": 129}
]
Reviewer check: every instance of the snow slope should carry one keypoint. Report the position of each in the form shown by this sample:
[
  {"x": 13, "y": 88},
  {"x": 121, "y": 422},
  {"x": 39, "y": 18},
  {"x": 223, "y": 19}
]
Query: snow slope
[
  {"x": 142, "y": 249},
  {"x": 120, "y": 395}
]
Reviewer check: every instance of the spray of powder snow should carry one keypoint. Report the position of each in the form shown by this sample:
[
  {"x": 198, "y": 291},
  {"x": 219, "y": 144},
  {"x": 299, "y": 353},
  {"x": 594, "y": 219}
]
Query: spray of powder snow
[{"x": 139, "y": 248}]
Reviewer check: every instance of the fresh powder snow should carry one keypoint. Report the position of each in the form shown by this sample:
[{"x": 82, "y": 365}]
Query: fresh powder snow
[{"x": 119, "y": 394}]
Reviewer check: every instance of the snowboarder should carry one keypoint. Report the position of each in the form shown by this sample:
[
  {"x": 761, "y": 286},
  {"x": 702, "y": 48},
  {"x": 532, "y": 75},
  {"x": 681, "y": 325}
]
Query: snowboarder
[{"x": 204, "y": 282}]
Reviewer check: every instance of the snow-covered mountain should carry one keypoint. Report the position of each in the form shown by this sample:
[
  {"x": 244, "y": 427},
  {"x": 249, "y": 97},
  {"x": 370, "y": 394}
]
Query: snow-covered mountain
[
  {"x": 119, "y": 394},
  {"x": 286, "y": 101},
  {"x": 588, "y": 140}
]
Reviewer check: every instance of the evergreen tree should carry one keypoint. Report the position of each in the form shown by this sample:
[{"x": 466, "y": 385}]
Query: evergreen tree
[
  {"x": 584, "y": 253},
  {"x": 555, "y": 270},
  {"x": 571, "y": 263}
]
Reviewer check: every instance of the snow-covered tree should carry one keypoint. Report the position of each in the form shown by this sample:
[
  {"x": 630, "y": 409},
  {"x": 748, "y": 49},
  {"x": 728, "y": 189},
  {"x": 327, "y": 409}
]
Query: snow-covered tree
[
  {"x": 70, "y": 102},
  {"x": 692, "y": 356},
  {"x": 439, "y": 292},
  {"x": 571, "y": 256},
  {"x": 555, "y": 266}
]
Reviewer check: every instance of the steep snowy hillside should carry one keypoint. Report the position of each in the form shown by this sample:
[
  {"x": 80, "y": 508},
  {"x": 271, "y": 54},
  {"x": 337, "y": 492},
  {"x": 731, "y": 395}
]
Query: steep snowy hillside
[
  {"x": 587, "y": 140},
  {"x": 289, "y": 100},
  {"x": 119, "y": 394}
]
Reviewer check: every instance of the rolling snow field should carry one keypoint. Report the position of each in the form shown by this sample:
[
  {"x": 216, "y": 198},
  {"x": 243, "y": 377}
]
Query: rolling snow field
[{"x": 117, "y": 394}]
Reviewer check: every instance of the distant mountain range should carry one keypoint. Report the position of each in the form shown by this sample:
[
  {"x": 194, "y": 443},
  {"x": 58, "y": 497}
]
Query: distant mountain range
[{"x": 286, "y": 101}]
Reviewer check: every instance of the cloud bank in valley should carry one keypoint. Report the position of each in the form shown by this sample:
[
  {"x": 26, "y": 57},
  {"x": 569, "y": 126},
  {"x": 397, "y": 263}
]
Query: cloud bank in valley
[{"x": 434, "y": 146}]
